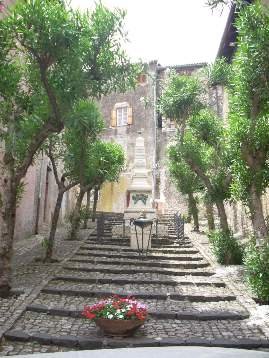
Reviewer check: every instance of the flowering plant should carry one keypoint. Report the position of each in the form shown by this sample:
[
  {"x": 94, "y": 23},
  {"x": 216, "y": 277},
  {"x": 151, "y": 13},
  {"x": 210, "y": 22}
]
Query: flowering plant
[{"x": 116, "y": 308}]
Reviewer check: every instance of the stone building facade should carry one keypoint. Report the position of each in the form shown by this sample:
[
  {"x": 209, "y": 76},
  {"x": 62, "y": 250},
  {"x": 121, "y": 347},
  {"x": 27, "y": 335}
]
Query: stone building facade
[{"x": 140, "y": 114}]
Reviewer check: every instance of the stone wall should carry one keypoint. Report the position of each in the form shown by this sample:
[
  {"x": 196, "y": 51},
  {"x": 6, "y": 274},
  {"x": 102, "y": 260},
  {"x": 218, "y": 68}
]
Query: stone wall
[{"x": 141, "y": 100}]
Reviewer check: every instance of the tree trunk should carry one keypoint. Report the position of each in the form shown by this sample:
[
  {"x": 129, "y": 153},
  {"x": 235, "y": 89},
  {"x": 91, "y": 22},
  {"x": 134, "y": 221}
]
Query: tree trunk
[
  {"x": 54, "y": 222},
  {"x": 95, "y": 199},
  {"x": 87, "y": 209},
  {"x": 8, "y": 188},
  {"x": 210, "y": 215},
  {"x": 222, "y": 216},
  {"x": 188, "y": 220},
  {"x": 194, "y": 211},
  {"x": 219, "y": 203},
  {"x": 257, "y": 216},
  {"x": 76, "y": 216}
]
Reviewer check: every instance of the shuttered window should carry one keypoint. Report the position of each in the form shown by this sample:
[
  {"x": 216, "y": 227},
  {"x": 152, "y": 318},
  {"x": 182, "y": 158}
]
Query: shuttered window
[{"x": 121, "y": 115}]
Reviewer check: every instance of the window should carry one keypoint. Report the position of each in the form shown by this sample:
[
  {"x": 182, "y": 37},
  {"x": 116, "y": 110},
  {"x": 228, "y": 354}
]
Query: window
[{"x": 122, "y": 116}]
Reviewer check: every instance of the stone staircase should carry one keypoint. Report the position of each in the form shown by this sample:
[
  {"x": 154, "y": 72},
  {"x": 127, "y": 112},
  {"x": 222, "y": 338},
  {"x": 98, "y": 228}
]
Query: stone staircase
[{"x": 187, "y": 304}]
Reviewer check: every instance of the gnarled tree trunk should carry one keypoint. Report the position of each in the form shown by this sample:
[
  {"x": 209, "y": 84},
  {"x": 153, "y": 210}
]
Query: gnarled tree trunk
[
  {"x": 8, "y": 188},
  {"x": 194, "y": 211},
  {"x": 257, "y": 217},
  {"x": 210, "y": 215},
  {"x": 219, "y": 203},
  {"x": 222, "y": 216},
  {"x": 76, "y": 215},
  {"x": 95, "y": 199},
  {"x": 54, "y": 222},
  {"x": 87, "y": 209}
]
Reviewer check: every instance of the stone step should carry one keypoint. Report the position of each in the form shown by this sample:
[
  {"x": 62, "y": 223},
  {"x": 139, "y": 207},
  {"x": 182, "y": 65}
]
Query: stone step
[
  {"x": 157, "y": 307},
  {"x": 84, "y": 277},
  {"x": 96, "y": 273},
  {"x": 81, "y": 333},
  {"x": 200, "y": 316},
  {"x": 124, "y": 242},
  {"x": 192, "y": 293},
  {"x": 135, "y": 254},
  {"x": 134, "y": 269},
  {"x": 102, "y": 248},
  {"x": 144, "y": 262}
]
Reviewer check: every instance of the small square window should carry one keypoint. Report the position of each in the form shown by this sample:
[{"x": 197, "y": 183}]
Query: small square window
[{"x": 122, "y": 116}]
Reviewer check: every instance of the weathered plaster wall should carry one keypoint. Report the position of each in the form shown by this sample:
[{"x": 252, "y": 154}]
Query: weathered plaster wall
[{"x": 38, "y": 200}]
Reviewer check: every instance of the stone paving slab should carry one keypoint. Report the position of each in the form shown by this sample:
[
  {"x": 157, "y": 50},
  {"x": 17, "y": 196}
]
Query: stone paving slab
[
  {"x": 33, "y": 324},
  {"x": 156, "y": 314},
  {"x": 133, "y": 269},
  {"x": 166, "y": 305},
  {"x": 84, "y": 277},
  {"x": 156, "y": 352},
  {"x": 135, "y": 255},
  {"x": 93, "y": 247},
  {"x": 15, "y": 348},
  {"x": 182, "y": 311},
  {"x": 206, "y": 291},
  {"x": 139, "y": 277},
  {"x": 144, "y": 262}
]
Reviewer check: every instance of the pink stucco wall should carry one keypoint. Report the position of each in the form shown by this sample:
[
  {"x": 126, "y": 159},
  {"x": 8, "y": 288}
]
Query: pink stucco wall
[{"x": 38, "y": 200}]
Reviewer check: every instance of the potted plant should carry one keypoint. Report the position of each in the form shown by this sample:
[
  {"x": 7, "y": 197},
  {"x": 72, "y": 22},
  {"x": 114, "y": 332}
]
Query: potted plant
[{"x": 117, "y": 316}]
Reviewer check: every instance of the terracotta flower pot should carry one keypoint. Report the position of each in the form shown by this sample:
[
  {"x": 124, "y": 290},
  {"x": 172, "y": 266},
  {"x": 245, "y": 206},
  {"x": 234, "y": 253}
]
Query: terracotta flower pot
[{"x": 118, "y": 327}]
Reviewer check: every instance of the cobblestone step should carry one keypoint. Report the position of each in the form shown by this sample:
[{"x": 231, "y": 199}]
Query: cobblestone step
[
  {"x": 134, "y": 254},
  {"x": 92, "y": 247},
  {"x": 143, "y": 262},
  {"x": 84, "y": 278},
  {"x": 83, "y": 264},
  {"x": 80, "y": 333},
  {"x": 138, "y": 276},
  {"x": 118, "y": 242},
  {"x": 155, "y": 242},
  {"x": 17, "y": 347},
  {"x": 192, "y": 293},
  {"x": 166, "y": 305},
  {"x": 200, "y": 316},
  {"x": 172, "y": 246}
]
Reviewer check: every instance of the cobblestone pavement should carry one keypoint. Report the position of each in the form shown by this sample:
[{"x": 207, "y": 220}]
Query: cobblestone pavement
[{"x": 189, "y": 301}]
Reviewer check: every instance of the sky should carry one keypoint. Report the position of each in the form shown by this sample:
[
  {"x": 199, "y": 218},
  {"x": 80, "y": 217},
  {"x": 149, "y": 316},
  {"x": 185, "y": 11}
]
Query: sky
[{"x": 173, "y": 32}]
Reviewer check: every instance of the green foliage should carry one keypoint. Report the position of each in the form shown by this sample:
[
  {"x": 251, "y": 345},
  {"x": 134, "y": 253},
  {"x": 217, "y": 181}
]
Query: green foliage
[
  {"x": 107, "y": 161},
  {"x": 249, "y": 106},
  {"x": 208, "y": 128},
  {"x": 185, "y": 179},
  {"x": 225, "y": 247},
  {"x": 180, "y": 97},
  {"x": 222, "y": 3},
  {"x": 51, "y": 59},
  {"x": 84, "y": 214},
  {"x": 218, "y": 73},
  {"x": 256, "y": 260}
]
